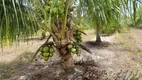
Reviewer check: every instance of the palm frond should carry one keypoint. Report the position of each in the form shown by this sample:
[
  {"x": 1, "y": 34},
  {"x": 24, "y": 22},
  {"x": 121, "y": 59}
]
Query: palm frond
[
  {"x": 106, "y": 12},
  {"x": 17, "y": 20}
]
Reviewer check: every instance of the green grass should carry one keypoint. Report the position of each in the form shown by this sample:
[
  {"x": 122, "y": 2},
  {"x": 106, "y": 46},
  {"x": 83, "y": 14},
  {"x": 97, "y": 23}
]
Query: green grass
[{"x": 128, "y": 42}]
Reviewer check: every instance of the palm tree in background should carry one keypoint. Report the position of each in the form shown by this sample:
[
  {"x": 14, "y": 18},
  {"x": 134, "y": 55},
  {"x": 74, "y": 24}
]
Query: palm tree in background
[
  {"x": 138, "y": 18},
  {"x": 105, "y": 13}
]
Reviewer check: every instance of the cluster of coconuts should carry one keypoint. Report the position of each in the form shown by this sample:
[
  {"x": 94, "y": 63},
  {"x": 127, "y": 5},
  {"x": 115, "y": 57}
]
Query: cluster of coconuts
[
  {"x": 77, "y": 36},
  {"x": 56, "y": 8},
  {"x": 46, "y": 52},
  {"x": 73, "y": 49}
]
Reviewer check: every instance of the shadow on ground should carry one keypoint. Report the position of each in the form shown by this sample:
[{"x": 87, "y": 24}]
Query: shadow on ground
[{"x": 93, "y": 44}]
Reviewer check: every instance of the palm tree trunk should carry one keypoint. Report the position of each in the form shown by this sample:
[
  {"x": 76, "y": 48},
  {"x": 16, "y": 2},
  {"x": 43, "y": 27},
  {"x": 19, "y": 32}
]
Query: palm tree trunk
[
  {"x": 66, "y": 58},
  {"x": 98, "y": 37},
  {"x": 67, "y": 61},
  {"x": 43, "y": 35}
]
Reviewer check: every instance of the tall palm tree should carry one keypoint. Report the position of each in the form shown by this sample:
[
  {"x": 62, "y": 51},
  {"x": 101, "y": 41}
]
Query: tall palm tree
[
  {"x": 24, "y": 18},
  {"x": 103, "y": 13},
  {"x": 58, "y": 18}
]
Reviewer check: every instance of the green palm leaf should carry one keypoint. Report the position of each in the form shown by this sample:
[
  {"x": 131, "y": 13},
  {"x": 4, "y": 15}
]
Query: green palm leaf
[{"x": 16, "y": 20}]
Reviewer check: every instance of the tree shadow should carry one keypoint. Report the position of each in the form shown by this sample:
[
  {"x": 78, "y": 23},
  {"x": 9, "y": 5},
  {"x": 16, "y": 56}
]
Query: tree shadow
[{"x": 93, "y": 44}]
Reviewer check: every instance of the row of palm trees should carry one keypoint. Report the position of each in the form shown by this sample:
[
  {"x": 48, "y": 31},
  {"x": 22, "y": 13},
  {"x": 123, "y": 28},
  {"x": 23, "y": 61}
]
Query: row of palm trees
[{"x": 21, "y": 18}]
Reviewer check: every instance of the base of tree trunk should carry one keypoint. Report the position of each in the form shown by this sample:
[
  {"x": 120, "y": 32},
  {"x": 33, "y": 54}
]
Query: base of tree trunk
[
  {"x": 67, "y": 62},
  {"x": 98, "y": 41},
  {"x": 43, "y": 36}
]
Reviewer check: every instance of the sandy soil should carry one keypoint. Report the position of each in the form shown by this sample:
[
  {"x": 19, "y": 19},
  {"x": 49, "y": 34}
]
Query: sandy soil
[{"x": 117, "y": 52}]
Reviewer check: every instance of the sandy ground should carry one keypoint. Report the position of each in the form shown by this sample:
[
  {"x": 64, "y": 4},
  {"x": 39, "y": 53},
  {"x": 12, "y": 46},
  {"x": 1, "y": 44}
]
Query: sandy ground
[
  {"x": 10, "y": 53},
  {"x": 119, "y": 52}
]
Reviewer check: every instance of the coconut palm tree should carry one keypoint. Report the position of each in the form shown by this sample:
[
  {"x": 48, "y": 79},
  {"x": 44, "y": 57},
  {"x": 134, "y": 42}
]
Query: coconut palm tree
[
  {"x": 58, "y": 18},
  {"x": 104, "y": 13},
  {"x": 25, "y": 18},
  {"x": 138, "y": 20}
]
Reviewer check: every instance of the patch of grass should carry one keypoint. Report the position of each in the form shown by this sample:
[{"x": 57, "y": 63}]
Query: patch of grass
[
  {"x": 7, "y": 69},
  {"x": 135, "y": 78},
  {"x": 128, "y": 41}
]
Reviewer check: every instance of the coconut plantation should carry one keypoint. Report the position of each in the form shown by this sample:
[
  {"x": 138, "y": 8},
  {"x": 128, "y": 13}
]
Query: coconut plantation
[{"x": 71, "y": 40}]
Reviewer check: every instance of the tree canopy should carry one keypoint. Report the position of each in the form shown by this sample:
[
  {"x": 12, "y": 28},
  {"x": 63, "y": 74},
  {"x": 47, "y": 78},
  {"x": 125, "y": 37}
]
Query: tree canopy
[{"x": 24, "y": 17}]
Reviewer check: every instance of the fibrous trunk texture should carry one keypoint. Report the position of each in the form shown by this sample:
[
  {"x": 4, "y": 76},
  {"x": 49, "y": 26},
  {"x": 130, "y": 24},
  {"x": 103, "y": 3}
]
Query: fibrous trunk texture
[{"x": 66, "y": 57}]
